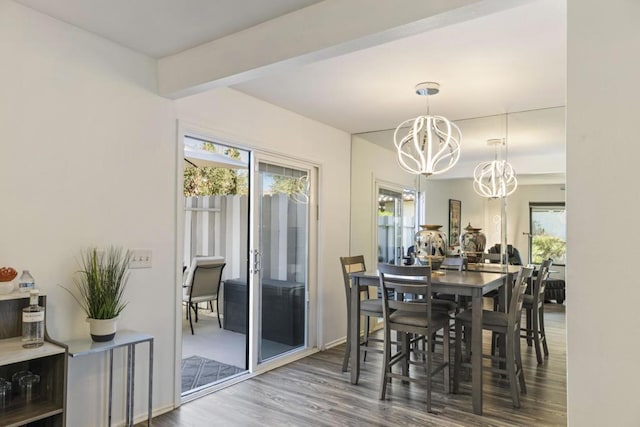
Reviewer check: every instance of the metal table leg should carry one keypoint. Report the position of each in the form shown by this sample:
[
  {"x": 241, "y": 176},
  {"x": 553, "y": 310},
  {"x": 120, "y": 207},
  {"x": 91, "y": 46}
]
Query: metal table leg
[
  {"x": 110, "y": 384},
  {"x": 128, "y": 387},
  {"x": 150, "y": 379}
]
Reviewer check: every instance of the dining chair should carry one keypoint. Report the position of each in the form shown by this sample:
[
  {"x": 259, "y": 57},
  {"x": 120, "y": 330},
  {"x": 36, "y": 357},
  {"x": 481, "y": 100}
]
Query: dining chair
[
  {"x": 410, "y": 314},
  {"x": 533, "y": 305},
  {"x": 455, "y": 303},
  {"x": 504, "y": 324},
  {"x": 369, "y": 307},
  {"x": 203, "y": 285}
]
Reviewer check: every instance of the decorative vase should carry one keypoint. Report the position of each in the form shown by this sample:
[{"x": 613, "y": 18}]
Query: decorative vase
[
  {"x": 431, "y": 245},
  {"x": 472, "y": 243},
  {"x": 102, "y": 329}
]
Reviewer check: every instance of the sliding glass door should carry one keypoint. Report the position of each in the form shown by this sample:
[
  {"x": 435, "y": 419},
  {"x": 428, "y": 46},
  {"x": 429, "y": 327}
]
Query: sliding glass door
[{"x": 280, "y": 256}]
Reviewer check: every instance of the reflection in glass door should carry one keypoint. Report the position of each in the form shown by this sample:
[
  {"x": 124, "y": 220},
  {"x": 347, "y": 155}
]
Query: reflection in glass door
[
  {"x": 280, "y": 267},
  {"x": 396, "y": 224},
  {"x": 389, "y": 226}
]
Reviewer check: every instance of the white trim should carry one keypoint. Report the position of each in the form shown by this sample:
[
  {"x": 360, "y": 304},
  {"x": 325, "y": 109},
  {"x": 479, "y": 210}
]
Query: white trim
[
  {"x": 334, "y": 343},
  {"x": 179, "y": 230}
]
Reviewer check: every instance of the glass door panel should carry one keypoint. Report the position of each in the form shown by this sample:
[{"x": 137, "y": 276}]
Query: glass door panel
[
  {"x": 390, "y": 243},
  {"x": 281, "y": 268}
]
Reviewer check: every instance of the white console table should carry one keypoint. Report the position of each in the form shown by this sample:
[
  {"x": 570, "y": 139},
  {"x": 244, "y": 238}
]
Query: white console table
[{"x": 123, "y": 338}]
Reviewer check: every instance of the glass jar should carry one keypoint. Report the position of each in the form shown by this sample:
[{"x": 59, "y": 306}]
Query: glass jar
[
  {"x": 27, "y": 384},
  {"x": 5, "y": 393}
]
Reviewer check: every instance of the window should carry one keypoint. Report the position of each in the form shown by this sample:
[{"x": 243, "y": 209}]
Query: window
[{"x": 548, "y": 232}]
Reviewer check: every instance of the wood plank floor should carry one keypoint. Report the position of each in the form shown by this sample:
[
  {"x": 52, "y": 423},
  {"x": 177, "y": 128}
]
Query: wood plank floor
[{"x": 315, "y": 392}]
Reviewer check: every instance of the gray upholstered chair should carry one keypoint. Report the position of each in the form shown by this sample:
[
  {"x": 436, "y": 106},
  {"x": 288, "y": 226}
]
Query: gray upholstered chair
[
  {"x": 505, "y": 324},
  {"x": 202, "y": 284},
  {"x": 369, "y": 307},
  {"x": 411, "y": 314},
  {"x": 534, "y": 309}
]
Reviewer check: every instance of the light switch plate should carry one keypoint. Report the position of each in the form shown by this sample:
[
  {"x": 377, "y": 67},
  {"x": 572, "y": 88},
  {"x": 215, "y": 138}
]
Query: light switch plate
[{"x": 140, "y": 258}]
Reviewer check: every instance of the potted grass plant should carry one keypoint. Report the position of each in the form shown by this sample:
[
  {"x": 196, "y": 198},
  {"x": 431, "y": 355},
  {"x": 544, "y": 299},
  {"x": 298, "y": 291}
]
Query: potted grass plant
[{"x": 100, "y": 285}]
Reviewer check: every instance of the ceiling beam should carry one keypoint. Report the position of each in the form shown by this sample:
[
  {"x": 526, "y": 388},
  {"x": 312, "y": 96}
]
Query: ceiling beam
[{"x": 320, "y": 31}]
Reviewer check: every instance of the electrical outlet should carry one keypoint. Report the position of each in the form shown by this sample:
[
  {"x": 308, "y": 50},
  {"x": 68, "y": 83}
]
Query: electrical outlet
[{"x": 140, "y": 258}]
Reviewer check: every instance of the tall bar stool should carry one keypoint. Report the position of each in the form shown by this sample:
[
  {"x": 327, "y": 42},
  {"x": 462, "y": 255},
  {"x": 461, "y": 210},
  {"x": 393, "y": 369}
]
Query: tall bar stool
[
  {"x": 412, "y": 316},
  {"x": 506, "y": 324},
  {"x": 368, "y": 307},
  {"x": 534, "y": 308}
]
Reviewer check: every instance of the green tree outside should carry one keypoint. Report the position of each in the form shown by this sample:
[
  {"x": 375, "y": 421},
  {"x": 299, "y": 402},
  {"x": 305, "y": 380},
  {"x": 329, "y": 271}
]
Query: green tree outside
[
  {"x": 207, "y": 181},
  {"x": 288, "y": 185},
  {"x": 544, "y": 246}
]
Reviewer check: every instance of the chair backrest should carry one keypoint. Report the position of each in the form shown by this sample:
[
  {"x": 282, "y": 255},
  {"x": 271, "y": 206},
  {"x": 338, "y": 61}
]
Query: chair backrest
[
  {"x": 453, "y": 261},
  {"x": 517, "y": 297},
  {"x": 351, "y": 264},
  {"x": 491, "y": 257},
  {"x": 204, "y": 276},
  {"x": 541, "y": 281},
  {"x": 187, "y": 273},
  {"x": 405, "y": 280},
  {"x": 513, "y": 254}
]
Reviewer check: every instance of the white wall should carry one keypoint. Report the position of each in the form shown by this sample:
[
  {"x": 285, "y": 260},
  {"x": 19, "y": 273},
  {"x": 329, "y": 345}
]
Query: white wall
[
  {"x": 255, "y": 124},
  {"x": 602, "y": 206},
  {"x": 87, "y": 157},
  {"x": 438, "y": 194}
]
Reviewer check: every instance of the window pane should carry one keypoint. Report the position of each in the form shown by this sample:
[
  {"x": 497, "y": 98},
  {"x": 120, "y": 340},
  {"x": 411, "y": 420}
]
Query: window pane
[{"x": 548, "y": 233}]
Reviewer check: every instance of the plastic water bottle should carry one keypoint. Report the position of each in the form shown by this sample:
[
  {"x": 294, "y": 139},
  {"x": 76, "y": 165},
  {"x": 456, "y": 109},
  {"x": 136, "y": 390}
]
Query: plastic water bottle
[{"x": 26, "y": 282}]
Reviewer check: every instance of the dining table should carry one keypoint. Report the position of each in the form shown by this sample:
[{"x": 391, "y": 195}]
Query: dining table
[{"x": 468, "y": 283}]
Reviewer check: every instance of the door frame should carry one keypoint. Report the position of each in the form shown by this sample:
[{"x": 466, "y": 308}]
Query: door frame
[
  {"x": 314, "y": 327},
  {"x": 311, "y": 297}
]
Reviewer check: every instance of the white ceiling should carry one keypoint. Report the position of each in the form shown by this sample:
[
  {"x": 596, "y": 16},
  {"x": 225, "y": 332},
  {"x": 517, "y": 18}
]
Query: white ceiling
[
  {"x": 508, "y": 61},
  {"x": 163, "y": 27}
]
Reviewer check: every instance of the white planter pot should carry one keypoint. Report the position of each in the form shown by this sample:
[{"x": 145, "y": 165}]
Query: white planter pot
[{"x": 102, "y": 329}]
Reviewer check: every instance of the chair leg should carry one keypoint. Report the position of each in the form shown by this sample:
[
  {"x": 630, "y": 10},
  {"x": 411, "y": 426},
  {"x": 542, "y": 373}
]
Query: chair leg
[
  {"x": 446, "y": 358},
  {"x": 457, "y": 357},
  {"x": 511, "y": 373},
  {"x": 536, "y": 335},
  {"x": 217, "y": 311},
  {"x": 467, "y": 349},
  {"x": 190, "y": 318},
  {"x": 366, "y": 337},
  {"x": 543, "y": 334},
  {"x": 520, "y": 371},
  {"x": 347, "y": 349},
  {"x": 530, "y": 327},
  {"x": 386, "y": 357}
]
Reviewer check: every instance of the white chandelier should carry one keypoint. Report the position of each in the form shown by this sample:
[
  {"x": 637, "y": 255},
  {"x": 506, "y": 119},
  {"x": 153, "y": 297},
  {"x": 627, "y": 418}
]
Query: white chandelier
[
  {"x": 432, "y": 144},
  {"x": 497, "y": 178}
]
